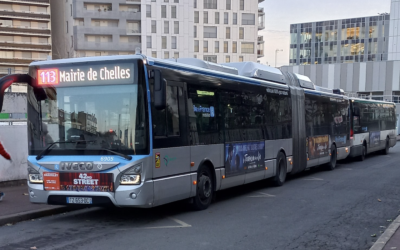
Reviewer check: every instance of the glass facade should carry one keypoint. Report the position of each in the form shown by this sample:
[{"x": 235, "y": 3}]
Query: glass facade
[{"x": 340, "y": 41}]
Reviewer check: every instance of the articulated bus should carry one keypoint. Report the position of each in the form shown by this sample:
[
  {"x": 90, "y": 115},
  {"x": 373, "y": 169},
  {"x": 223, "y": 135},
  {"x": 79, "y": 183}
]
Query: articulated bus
[{"x": 134, "y": 131}]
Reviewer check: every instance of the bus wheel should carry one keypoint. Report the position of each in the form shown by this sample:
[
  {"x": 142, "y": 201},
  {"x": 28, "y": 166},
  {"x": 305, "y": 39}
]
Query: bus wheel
[
  {"x": 281, "y": 170},
  {"x": 386, "y": 150},
  {"x": 363, "y": 153},
  {"x": 332, "y": 163},
  {"x": 204, "y": 189}
]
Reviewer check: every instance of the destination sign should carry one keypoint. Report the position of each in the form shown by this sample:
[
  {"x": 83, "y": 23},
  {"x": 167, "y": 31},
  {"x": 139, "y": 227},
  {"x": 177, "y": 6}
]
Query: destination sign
[{"x": 73, "y": 75}]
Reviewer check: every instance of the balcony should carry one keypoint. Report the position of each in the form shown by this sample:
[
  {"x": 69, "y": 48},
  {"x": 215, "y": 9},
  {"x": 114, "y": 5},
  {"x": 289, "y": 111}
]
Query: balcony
[
  {"x": 22, "y": 61},
  {"x": 13, "y": 47},
  {"x": 260, "y": 1},
  {"x": 24, "y": 15},
  {"x": 28, "y": 2},
  {"x": 27, "y": 29},
  {"x": 261, "y": 19},
  {"x": 260, "y": 39},
  {"x": 107, "y": 46},
  {"x": 133, "y": 1},
  {"x": 109, "y": 14}
]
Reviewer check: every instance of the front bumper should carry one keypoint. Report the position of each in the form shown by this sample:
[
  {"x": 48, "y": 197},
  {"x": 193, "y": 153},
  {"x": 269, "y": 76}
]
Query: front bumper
[
  {"x": 120, "y": 198},
  {"x": 356, "y": 150}
]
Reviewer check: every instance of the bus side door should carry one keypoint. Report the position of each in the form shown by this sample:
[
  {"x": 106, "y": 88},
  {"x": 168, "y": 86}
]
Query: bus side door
[{"x": 171, "y": 173}]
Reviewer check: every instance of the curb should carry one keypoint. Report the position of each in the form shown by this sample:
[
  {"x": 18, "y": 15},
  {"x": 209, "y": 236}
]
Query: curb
[
  {"x": 18, "y": 217},
  {"x": 385, "y": 237}
]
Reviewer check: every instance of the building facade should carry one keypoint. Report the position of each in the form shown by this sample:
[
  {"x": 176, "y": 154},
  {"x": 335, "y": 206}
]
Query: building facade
[
  {"x": 25, "y": 34},
  {"x": 394, "y": 31},
  {"x": 352, "y": 40},
  {"x": 217, "y": 31}
]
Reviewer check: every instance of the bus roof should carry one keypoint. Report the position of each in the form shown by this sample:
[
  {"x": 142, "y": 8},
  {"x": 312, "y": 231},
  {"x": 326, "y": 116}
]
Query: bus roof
[{"x": 370, "y": 100}]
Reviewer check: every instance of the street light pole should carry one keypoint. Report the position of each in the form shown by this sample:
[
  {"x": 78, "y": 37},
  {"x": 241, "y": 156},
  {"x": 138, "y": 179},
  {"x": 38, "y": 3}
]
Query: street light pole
[{"x": 276, "y": 54}]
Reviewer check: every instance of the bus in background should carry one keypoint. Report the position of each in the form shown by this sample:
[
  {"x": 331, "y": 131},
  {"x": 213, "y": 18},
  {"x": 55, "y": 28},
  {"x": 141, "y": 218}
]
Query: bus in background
[
  {"x": 373, "y": 127},
  {"x": 135, "y": 131}
]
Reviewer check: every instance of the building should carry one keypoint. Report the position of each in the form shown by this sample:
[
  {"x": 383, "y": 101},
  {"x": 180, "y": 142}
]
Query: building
[
  {"x": 394, "y": 31},
  {"x": 25, "y": 32},
  {"x": 362, "y": 39},
  {"x": 217, "y": 31}
]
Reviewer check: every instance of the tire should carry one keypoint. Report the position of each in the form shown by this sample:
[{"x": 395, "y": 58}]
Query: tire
[
  {"x": 363, "y": 153},
  {"x": 281, "y": 170},
  {"x": 204, "y": 189},
  {"x": 387, "y": 147},
  {"x": 331, "y": 165}
]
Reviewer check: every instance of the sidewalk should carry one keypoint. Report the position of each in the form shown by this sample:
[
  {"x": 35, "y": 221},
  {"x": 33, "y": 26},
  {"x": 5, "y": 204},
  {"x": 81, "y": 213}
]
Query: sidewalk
[{"x": 16, "y": 206}]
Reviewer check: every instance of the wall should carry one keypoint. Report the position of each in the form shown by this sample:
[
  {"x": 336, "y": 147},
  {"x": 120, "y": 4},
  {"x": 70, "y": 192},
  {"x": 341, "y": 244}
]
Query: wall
[
  {"x": 14, "y": 140},
  {"x": 394, "y": 32}
]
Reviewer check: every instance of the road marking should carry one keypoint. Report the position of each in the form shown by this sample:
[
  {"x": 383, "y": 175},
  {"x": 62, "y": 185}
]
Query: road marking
[
  {"x": 181, "y": 224},
  {"x": 262, "y": 195},
  {"x": 313, "y": 179}
]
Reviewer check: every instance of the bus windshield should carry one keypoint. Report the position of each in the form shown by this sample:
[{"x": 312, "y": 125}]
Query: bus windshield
[{"x": 95, "y": 118}]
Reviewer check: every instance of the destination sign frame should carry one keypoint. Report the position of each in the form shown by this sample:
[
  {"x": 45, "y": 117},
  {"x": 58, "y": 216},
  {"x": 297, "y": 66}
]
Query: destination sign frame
[{"x": 87, "y": 74}]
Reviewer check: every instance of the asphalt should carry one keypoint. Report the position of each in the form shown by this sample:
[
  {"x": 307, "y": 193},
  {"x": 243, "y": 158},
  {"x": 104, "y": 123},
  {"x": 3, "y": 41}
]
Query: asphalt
[
  {"x": 15, "y": 206},
  {"x": 303, "y": 214}
]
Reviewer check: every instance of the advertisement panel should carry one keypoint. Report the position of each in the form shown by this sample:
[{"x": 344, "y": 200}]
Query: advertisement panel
[
  {"x": 341, "y": 140},
  {"x": 318, "y": 146},
  {"x": 244, "y": 157},
  {"x": 94, "y": 182},
  {"x": 374, "y": 138}
]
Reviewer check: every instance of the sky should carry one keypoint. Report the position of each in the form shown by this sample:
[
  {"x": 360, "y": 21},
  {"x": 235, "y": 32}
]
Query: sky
[{"x": 279, "y": 14}]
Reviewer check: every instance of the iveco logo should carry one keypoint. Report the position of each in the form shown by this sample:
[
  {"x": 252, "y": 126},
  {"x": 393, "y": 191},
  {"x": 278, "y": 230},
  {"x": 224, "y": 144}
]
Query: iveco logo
[{"x": 76, "y": 166}]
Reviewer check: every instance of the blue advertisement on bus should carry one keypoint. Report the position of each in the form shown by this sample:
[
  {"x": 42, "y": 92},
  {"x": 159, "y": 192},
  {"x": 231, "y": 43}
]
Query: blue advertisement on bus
[
  {"x": 244, "y": 157},
  {"x": 374, "y": 138}
]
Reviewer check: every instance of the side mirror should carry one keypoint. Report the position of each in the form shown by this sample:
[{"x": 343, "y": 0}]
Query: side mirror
[
  {"x": 356, "y": 111},
  {"x": 160, "y": 91}
]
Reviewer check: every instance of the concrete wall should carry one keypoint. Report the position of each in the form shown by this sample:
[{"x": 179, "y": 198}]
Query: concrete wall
[{"x": 14, "y": 140}]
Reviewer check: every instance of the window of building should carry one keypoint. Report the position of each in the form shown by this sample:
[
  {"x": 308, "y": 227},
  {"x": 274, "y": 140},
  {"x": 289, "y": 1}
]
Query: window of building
[
  {"x": 228, "y": 33},
  {"x": 176, "y": 1},
  {"x": 176, "y": 55},
  {"x": 248, "y": 19},
  {"x": 173, "y": 42},
  {"x": 241, "y": 33},
  {"x": 216, "y": 49},
  {"x": 195, "y": 31},
  {"x": 96, "y": 23},
  {"x": 196, "y": 45},
  {"x": 153, "y": 26},
  {"x": 210, "y": 32},
  {"x": 148, "y": 10},
  {"x": 247, "y": 48},
  {"x": 176, "y": 27},
  {"x": 225, "y": 47},
  {"x": 166, "y": 27},
  {"x": 234, "y": 21},
  {"x": 166, "y": 1},
  {"x": 164, "y": 42},
  {"x": 212, "y": 59},
  {"x": 240, "y": 58},
  {"x": 154, "y": 54},
  {"x": 226, "y": 18},
  {"x": 166, "y": 54},
  {"x": 163, "y": 11},
  {"x": 205, "y": 17},
  {"x": 148, "y": 39},
  {"x": 210, "y": 4},
  {"x": 173, "y": 11},
  {"x": 196, "y": 17},
  {"x": 195, "y": 4},
  {"x": 228, "y": 4},
  {"x": 67, "y": 25},
  {"x": 241, "y": 4},
  {"x": 205, "y": 46},
  {"x": 216, "y": 17},
  {"x": 227, "y": 59},
  {"x": 234, "y": 47}
]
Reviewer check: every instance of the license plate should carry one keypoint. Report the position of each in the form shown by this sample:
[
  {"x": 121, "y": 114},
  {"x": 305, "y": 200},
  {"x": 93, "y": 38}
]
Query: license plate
[{"x": 79, "y": 200}]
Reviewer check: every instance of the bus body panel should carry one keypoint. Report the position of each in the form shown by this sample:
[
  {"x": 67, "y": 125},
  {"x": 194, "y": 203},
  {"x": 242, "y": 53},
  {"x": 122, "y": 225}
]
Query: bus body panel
[
  {"x": 213, "y": 153},
  {"x": 272, "y": 148},
  {"x": 173, "y": 188},
  {"x": 343, "y": 152}
]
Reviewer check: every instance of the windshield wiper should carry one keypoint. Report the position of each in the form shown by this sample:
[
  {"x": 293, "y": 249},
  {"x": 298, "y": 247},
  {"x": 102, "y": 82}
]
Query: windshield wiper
[
  {"x": 48, "y": 149},
  {"x": 128, "y": 157}
]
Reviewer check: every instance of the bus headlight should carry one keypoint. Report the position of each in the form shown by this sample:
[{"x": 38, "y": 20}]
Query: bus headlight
[
  {"x": 34, "y": 176},
  {"x": 130, "y": 179},
  {"x": 132, "y": 175}
]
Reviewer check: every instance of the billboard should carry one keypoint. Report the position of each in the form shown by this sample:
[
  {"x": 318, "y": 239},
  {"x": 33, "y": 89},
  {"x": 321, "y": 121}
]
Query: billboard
[
  {"x": 318, "y": 146},
  {"x": 374, "y": 138},
  {"x": 245, "y": 157}
]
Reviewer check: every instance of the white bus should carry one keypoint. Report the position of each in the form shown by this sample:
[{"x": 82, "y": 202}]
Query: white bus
[{"x": 135, "y": 131}]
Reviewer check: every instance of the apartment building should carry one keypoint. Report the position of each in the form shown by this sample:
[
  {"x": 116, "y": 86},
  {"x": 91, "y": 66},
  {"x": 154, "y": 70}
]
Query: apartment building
[
  {"x": 217, "y": 31},
  {"x": 350, "y": 40},
  {"x": 25, "y": 34}
]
